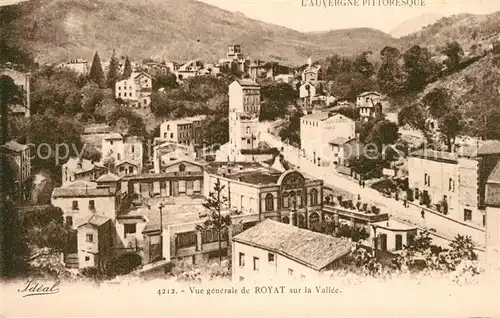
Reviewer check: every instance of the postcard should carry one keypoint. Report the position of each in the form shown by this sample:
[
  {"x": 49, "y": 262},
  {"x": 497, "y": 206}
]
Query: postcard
[{"x": 226, "y": 158}]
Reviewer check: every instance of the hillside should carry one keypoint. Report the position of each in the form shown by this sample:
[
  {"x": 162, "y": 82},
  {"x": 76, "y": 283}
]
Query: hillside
[
  {"x": 176, "y": 30},
  {"x": 414, "y": 25},
  {"x": 467, "y": 29}
]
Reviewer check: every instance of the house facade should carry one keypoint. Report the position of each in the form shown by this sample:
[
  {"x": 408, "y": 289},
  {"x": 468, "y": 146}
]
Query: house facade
[
  {"x": 95, "y": 242},
  {"x": 18, "y": 160},
  {"x": 369, "y": 105},
  {"x": 185, "y": 131},
  {"x": 120, "y": 149},
  {"x": 316, "y": 132},
  {"x": 493, "y": 219},
  {"x": 273, "y": 251},
  {"x": 448, "y": 182},
  {"x": 81, "y": 169},
  {"x": 135, "y": 90}
]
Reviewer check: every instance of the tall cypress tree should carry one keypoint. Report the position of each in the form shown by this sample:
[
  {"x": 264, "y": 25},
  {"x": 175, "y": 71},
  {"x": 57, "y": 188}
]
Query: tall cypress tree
[
  {"x": 127, "y": 71},
  {"x": 96, "y": 73},
  {"x": 113, "y": 71}
]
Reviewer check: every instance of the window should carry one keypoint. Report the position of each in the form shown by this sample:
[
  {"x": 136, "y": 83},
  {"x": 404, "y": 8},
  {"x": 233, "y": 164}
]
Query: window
[
  {"x": 91, "y": 204},
  {"x": 285, "y": 200},
  {"x": 182, "y": 167},
  {"x": 255, "y": 263},
  {"x": 399, "y": 242},
  {"x": 118, "y": 157},
  {"x": 171, "y": 135},
  {"x": 119, "y": 94},
  {"x": 290, "y": 272},
  {"x": 314, "y": 197},
  {"x": 132, "y": 148},
  {"x": 242, "y": 260},
  {"x": 270, "y": 257},
  {"x": 90, "y": 238},
  {"x": 87, "y": 258},
  {"x": 269, "y": 202},
  {"x": 425, "y": 178},
  {"x": 467, "y": 215},
  {"x": 248, "y": 141},
  {"x": 168, "y": 127},
  {"x": 248, "y": 130},
  {"x": 129, "y": 229},
  {"x": 69, "y": 220},
  {"x": 131, "y": 170},
  {"x": 111, "y": 142},
  {"x": 74, "y": 205}
]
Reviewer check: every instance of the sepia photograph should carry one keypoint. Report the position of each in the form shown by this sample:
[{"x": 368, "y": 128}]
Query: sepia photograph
[{"x": 250, "y": 158}]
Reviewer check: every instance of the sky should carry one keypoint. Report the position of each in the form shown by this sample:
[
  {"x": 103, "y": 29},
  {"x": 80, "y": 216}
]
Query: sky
[{"x": 292, "y": 13}]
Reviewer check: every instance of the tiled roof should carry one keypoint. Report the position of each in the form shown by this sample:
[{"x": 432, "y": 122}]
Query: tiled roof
[
  {"x": 72, "y": 165},
  {"x": 316, "y": 116},
  {"x": 339, "y": 141},
  {"x": 313, "y": 249},
  {"x": 108, "y": 177},
  {"x": 435, "y": 155},
  {"x": 494, "y": 176},
  {"x": 489, "y": 147},
  {"x": 247, "y": 82},
  {"x": 113, "y": 136},
  {"x": 96, "y": 220},
  {"x": 369, "y": 93},
  {"x": 82, "y": 189},
  {"x": 14, "y": 146}
]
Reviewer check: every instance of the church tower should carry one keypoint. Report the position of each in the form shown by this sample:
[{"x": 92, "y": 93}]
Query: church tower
[{"x": 244, "y": 109}]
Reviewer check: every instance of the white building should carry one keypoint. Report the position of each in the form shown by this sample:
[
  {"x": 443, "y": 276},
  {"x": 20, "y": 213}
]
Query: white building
[
  {"x": 447, "y": 182},
  {"x": 136, "y": 89},
  {"x": 81, "y": 169},
  {"x": 369, "y": 104},
  {"x": 244, "y": 134},
  {"x": 272, "y": 251},
  {"x": 80, "y": 66},
  {"x": 184, "y": 131},
  {"x": 493, "y": 219},
  {"x": 167, "y": 152},
  {"x": 318, "y": 129},
  {"x": 121, "y": 149}
]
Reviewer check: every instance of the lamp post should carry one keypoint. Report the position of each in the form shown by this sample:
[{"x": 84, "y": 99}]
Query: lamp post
[{"x": 161, "y": 206}]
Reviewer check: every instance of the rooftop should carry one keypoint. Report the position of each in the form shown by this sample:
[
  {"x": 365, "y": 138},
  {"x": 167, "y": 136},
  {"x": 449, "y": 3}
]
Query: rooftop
[
  {"x": 15, "y": 146},
  {"x": 113, "y": 136},
  {"x": 494, "y": 176},
  {"x": 313, "y": 249},
  {"x": 247, "y": 82},
  {"x": 96, "y": 220},
  {"x": 394, "y": 225},
  {"x": 82, "y": 189},
  {"x": 489, "y": 147},
  {"x": 97, "y": 129},
  {"x": 369, "y": 93},
  {"x": 248, "y": 172},
  {"x": 339, "y": 141},
  {"x": 108, "y": 177},
  {"x": 436, "y": 155},
  {"x": 86, "y": 165}
]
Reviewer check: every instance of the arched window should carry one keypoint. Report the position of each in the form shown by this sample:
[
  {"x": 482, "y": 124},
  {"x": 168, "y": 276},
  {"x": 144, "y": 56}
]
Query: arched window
[
  {"x": 248, "y": 130},
  {"x": 286, "y": 220},
  {"x": 285, "y": 200},
  {"x": 314, "y": 218},
  {"x": 314, "y": 197},
  {"x": 182, "y": 167},
  {"x": 269, "y": 202}
]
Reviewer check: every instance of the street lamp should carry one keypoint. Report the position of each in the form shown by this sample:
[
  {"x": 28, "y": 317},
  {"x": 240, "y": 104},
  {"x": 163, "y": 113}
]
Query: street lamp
[{"x": 161, "y": 206}]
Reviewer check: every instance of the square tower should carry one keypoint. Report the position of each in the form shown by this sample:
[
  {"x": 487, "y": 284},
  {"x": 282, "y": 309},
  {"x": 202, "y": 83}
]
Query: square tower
[{"x": 244, "y": 109}]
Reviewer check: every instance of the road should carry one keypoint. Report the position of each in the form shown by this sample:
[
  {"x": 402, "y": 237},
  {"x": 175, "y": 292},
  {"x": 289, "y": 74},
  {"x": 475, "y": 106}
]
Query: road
[{"x": 444, "y": 227}]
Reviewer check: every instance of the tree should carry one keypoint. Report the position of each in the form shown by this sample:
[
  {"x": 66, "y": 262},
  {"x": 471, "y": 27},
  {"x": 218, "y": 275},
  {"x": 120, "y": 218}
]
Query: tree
[
  {"x": 390, "y": 77},
  {"x": 437, "y": 102},
  {"x": 419, "y": 68},
  {"x": 363, "y": 65},
  {"x": 450, "y": 125},
  {"x": 92, "y": 96},
  {"x": 113, "y": 71},
  {"x": 127, "y": 70},
  {"x": 9, "y": 95},
  {"x": 215, "y": 220},
  {"x": 96, "y": 73},
  {"x": 276, "y": 99},
  {"x": 168, "y": 80},
  {"x": 383, "y": 133},
  {"x": 454, "y": 52}
]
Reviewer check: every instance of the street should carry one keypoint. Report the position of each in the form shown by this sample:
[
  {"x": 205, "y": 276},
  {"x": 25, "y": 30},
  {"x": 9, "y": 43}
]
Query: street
[{"x": 442, "y": 226}]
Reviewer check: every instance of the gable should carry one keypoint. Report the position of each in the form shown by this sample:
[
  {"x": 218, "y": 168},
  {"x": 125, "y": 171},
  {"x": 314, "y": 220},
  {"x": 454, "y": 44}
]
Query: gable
[{"x": 175, "y": 166}]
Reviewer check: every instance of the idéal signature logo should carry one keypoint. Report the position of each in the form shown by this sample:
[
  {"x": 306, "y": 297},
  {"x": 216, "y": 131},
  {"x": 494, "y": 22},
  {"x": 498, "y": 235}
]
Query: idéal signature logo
[{"x": 34, "y": 288}]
